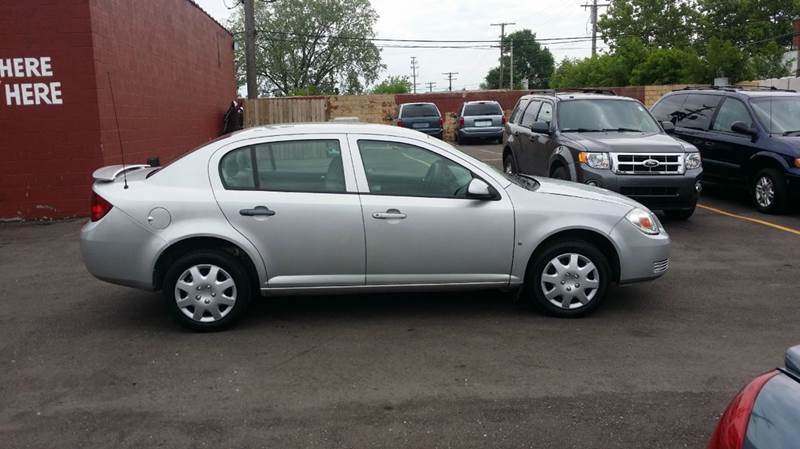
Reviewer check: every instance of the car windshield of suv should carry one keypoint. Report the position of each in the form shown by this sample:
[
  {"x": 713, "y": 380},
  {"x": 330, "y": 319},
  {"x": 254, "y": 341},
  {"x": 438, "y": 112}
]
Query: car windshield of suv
[
  {"x": 419, "y": 110},
  {"x": 593, "y": 115},
  {"x": 482, "y": 109},
  {"x": 780, "y": 115}
]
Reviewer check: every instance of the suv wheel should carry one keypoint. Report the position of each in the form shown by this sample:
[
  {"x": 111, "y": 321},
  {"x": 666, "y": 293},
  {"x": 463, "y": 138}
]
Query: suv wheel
[
  {"x": 568, "y": 279},
  {"x": 508, "y": 164},
  {"x": 769, "y": 191},
  {"x": 560, "y": 173},
  {"x": 207, "y": 290}
]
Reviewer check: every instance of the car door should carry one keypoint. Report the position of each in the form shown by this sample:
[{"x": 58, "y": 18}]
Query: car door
[
  {"x": 542, "y": 145},
  {"x": 726, "y": 152},
  {"x": 526, "y": 162},
  {"x": 512, "y": 127},
  {"x": 295, "y": 199},
  {"x": 419, "y": 226}
]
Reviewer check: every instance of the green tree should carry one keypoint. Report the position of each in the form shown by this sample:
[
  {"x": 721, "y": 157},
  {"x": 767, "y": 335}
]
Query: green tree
[
  {"x": 658, "y": 23},
  {"x": 532, "y": 61},
  {"x": 311, "y": 46},
  {"x": 393, "y": 85},
  {"x": 668, "y": 66}
]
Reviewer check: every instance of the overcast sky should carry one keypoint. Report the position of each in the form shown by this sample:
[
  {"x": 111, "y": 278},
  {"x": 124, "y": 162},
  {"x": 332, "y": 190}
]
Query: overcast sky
[{"x": 461, "y": 20}]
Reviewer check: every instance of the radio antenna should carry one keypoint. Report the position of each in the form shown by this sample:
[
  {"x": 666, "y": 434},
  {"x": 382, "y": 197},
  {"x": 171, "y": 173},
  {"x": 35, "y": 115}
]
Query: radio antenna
[{"x": 119, "y": 136}]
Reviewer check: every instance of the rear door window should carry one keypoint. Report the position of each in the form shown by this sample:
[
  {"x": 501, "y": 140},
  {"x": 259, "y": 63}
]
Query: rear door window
[
  {"x": 697, "y": 110},
  {"x": 731, "y": 111},
  {"x": 530, "y": 114},
  {"x": 482, "y": 109},
  {"x": 419, "y": 110},
  {"x": 667, "y": 109}
]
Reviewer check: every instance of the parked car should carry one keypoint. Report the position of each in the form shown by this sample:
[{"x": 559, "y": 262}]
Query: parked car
[
  {"x": 480, "y": 120},
  {"x": 423, "y": 117},
  {"x": 606, "y": 141},
  {"x": 765, "y": 414},
  {"x": 746, "y": 137},
  {"x": 341, "y": 207}
]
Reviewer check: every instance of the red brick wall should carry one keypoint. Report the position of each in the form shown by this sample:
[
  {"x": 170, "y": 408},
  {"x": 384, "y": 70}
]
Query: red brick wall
[
  {"x": 172, "y": 72},
  {"x": 46, "y": 151}
]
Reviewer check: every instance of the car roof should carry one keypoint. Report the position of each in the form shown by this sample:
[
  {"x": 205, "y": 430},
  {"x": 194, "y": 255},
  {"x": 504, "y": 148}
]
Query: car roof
[
  {"x": 481, "y": 102},
  {"x": 417, "y": 103},
  {"x": 578, "y": 96},
  {"x": 325, "y": 128},
  {"x": 735, "y": 91}
]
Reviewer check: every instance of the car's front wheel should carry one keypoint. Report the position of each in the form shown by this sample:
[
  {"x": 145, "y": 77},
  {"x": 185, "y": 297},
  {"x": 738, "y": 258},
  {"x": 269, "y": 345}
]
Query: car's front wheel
[
  {"x": 568, "y": 279},
  {"x": 207, "y": 290},
  {"x": 769, "y": 191}
]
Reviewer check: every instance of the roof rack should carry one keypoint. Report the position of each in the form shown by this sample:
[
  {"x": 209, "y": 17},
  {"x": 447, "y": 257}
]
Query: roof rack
[
  {"x": 736, "y": 88},
  {"x": 585, "y": 90}
]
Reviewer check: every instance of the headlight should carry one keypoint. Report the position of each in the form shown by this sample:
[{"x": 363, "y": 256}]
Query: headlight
[
  {"x": 643, "y": 220},
  {"x": 693, "y": 161},
  {"x": 594, "y": 160}
]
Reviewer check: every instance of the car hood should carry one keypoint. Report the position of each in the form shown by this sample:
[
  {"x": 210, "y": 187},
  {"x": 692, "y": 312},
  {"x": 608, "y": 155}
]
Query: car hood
[
  {"x": 791, "y": 142},
  {"x": 614, "y": 142},
  {"x": 573, "y": 189}
]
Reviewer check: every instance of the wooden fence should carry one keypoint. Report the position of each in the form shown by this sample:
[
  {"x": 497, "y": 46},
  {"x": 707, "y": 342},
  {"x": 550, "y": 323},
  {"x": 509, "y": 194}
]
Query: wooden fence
[{"x": 266, "y": 111}]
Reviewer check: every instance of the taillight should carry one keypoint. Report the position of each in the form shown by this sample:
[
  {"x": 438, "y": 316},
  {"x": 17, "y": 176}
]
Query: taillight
[
  {"x": 441, "y": 122},
  {"x": 399, "y": 123},
  {"x": 732, "y": 426},
  {"x": 461, "y": 122},
  {"x": 100, "y": 207},
  {"x": 503, "y": 120}
]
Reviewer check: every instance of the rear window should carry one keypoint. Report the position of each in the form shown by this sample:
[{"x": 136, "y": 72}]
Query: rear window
[
  {"x": 419, "y": 110},
  {"x": 482, "y": 109}
]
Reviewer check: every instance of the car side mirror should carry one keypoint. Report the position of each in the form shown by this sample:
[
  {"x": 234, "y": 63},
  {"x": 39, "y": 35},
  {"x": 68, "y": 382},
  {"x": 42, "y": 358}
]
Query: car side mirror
[
  {"x": 478, "y": 189},
  {"x": 540, "y": 127},
  {"x": 668, "y": 126},
  {"x": 742, "y": 128}
]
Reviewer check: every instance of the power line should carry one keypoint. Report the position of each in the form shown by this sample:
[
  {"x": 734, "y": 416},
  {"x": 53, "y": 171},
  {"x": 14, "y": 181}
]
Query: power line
[
  {"x": 593, "y": 8},
  {"x": 442, "y": 41},
  {"x": 430, "y": 85},
  {"x": 450, "y": 79},
  {"x": 502, "y": 26}
]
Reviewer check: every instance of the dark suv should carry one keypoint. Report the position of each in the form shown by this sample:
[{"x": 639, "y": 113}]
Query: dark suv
[
  {"x": 748, "y": 137},
  {"x": 603, "y": 140},
  {"x": 424, "y": 117}
]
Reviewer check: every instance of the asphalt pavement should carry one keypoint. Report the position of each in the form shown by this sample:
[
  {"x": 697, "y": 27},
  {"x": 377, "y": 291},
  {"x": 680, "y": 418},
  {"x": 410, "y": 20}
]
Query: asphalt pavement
[{"x": 89, "y": 364}]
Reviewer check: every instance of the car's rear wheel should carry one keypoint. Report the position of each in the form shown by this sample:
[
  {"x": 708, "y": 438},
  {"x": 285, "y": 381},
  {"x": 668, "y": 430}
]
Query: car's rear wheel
[
  {"x": 207, "y": 290},
  {"x": 568, "y": 279},
  {"x": 508, "y": 164},
  {"x": 769, "y": 191}
]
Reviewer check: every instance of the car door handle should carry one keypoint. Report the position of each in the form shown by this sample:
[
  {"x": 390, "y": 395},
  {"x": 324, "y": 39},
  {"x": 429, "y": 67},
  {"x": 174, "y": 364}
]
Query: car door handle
[
  {"x": 708, "y": 143},
  {"x": 258, "y": 211},
  {"x": 389, "y": 214}
]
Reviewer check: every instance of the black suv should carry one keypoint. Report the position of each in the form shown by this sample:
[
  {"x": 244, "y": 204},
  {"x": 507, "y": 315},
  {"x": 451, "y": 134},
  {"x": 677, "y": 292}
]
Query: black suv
[
  {"x": 603, "y": 140},
  {"x": 748, "y": 137}
]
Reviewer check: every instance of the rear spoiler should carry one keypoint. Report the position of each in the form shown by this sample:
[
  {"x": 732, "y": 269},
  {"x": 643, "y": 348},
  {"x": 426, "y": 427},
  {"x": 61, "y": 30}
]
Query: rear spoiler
[{"x": 110, "y": 173}]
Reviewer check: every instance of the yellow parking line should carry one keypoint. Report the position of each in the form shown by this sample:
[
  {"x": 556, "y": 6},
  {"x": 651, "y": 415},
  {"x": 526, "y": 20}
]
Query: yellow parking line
[{"x": 752, "y": 220}]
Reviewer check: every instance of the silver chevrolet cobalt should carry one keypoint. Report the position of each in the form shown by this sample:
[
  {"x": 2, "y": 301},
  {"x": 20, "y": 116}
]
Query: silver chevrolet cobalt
[{"x": 348, "y": 207}]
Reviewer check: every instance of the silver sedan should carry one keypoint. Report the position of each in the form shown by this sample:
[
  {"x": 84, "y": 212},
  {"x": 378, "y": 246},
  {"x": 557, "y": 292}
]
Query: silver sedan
[{"x": 348, "y": 207}]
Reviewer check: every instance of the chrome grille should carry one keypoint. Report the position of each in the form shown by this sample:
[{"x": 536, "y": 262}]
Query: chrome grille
[
  {"x": 647, "y": 163},
  {"x": 660, "y": 266}
]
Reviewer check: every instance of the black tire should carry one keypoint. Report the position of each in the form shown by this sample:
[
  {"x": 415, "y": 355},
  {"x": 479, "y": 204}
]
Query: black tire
[
  {"x": 775, "y": 178},
  {"x": 231, "y": 266},
  {"x": 459, "y": 139},
  {"x": 508, "y": 163},
  {"x": 680, "y": 214},
  {"x": 560, "y": 173},
  {"x": 534, "y": 288}
]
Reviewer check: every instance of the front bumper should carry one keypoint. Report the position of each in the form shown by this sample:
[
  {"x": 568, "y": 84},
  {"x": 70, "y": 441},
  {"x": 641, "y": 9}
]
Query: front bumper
[
  {"x": 661, "y": 192},
  {"x": 481, "y": 132},
  {"x": 642, "y": 257}
]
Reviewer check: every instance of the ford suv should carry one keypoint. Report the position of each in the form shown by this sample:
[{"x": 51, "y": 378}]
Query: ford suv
[
  {"x": 746, "y": 136},
  {"x": 603, "y": 140}
]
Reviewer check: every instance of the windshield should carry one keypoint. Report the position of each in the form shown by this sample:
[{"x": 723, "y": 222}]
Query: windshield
[
  {"x": 780, "y": 115},
  {"x": 593, "y": 115},
  {"x": 419, "y": 110},
  {"x": 482, "y": 109}
]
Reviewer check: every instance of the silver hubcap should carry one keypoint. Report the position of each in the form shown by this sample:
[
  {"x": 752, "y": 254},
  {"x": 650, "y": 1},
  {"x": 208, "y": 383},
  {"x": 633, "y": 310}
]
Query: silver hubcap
[
  {"x": 765, "y": 191},
  {"x": 205, "y": 293},
  {"x": 570, "y": 281}
]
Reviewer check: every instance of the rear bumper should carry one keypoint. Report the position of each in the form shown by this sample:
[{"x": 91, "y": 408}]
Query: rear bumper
[
  {"x": 641, "y": 257},
  {"x": 436, "y": 132},
  {"x": 662, "y": 192},
  {"x": 482, "y": 132}
]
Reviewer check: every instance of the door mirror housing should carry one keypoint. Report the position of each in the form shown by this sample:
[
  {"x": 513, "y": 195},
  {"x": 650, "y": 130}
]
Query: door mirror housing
[
  {"x": 540, "y": 127},
  {"x": 668, "y": 126},
  {"x": 478, "y": 189},
  {"x": 742, "y": 128}
]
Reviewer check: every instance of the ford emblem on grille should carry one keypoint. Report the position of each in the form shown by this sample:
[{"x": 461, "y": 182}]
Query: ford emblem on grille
[{"x": 651, "y": 163}]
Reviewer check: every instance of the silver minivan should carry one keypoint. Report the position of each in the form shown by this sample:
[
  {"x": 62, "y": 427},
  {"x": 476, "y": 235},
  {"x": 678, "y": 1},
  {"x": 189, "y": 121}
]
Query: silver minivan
[{"x": 480, "y": 120}]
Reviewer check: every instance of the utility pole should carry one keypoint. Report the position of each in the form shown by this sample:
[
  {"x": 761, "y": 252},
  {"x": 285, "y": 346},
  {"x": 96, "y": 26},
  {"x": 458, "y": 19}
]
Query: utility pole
[
  {"x": 450, "y": 79},
  {"x": 593, "y": 12},
  {"x": 414, "y": 68},
  {"x": 250, "y": 48},
  {"x": 502, "y": 26},
  {"x": 430, "y": 86},
  {"x": 511, "y": 84}
]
